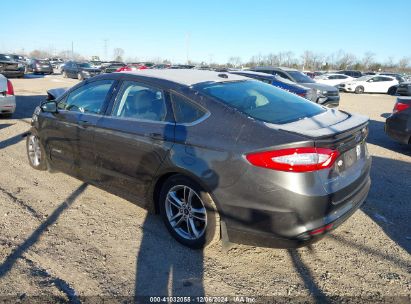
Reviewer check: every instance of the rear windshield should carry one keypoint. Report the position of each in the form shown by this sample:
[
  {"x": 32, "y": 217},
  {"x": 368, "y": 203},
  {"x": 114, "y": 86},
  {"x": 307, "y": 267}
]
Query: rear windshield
[
  {"x": 300, "y": 77},
  {"x": 5, "y": 57},
  {"x": 261, "y": 101}
]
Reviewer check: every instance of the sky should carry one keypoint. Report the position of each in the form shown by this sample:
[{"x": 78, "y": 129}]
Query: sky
[{"x": 207, "y": 30}]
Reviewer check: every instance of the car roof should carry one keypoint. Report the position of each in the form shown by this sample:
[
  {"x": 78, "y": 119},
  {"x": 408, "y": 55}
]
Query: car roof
[
  {"x": 275, "y": 68},
  {"x": 187, "y": 77},
  {"x": 266, "y": 75},
  {"x": 334, "y": 74}
]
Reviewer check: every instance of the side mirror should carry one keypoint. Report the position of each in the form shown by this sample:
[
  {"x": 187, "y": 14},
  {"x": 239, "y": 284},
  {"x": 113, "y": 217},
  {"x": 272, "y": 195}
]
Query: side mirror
[{"x": 49, "y": 107}]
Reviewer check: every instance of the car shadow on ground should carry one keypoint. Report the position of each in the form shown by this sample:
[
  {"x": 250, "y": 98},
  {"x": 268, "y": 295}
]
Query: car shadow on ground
[
  {"x": 34, "y": 76},
  {"x": 6, "y": 125},
  {"x": 21, "y": 249},
  {"x": 306, "y": 276},
  {"x": 25, "y": 105},
  {"x": 389, "y": 199},
  {"x": 12, "y": 140},
  {"x": 378, "y": 137},
  {"x": 164, "y": 267}
]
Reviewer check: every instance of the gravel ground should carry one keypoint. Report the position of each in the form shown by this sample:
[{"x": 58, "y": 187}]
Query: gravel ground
[{"x": 62, "y": 240}]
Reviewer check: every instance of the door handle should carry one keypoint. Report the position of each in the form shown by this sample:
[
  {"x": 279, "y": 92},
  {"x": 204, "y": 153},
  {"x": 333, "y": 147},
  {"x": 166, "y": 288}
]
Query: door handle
[
  {"x": 84, "y": 123},
  {"x": 157, "y": 136}
]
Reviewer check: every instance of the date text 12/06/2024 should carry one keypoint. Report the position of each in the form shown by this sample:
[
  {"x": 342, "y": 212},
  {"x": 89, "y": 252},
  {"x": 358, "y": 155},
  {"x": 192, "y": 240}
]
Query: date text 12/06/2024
[{"x": 201, "y": 299}]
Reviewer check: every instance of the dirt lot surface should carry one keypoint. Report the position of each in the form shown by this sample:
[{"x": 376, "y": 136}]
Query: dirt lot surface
[{"x": 64, "y": 240}]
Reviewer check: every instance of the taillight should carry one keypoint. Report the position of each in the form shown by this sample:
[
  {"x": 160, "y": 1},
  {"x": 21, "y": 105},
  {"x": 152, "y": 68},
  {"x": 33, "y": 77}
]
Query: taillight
[
  {"x": 400, "y": 106},
  {"x": 295, "y": 159},
  {"x": 321, "y": 230},
  {"x": 10, "y": 89},
  {"x": 302, "y": 95}
]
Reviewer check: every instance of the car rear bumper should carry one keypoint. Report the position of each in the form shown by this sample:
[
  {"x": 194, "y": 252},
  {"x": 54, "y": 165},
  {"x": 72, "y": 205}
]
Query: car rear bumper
[
  {"x": 329, "y": 101},
  {"x": 43, "y": 70},
  {"x": 396, "y": 127},
  {"x": 14, "y": 73},
  {"x": 243, "y": 233},
  {"x": 7, "y": 104}
]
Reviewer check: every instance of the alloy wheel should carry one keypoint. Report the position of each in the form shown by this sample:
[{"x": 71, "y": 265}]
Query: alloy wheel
[
  {"x": 186, "y": 212},
  {"x": 34, "y": 150}
]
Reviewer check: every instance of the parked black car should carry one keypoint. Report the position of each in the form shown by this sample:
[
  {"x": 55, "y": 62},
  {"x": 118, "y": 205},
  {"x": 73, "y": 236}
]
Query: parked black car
[
  {"x": 79, "y": 70},
  {"x": 404, "y": 89},
  {"x": 279, "y": 82},
  {"x": 10, "y": 68},
  {"x": 398, "y": 124},
  {"x": 112, "y": 67},
  {"x": 39, "y": 66},
  {"x": 326, "y": 95},
  {"x": 351, "y": 73},
  {"x": 204, "y": 148},
  {"x": 395, "y": 75}
]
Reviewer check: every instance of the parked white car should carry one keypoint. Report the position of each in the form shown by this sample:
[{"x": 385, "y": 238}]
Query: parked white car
[
  {"x": 333, "y": 79},
  {"x": 370, "y": 84},
  {"x": 7, "y": 98}
]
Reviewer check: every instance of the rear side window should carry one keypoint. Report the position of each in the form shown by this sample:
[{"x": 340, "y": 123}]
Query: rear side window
[
  {"x": 185, "y": 111},
  {"x": 141, "y": 102},
  {"x": 262, "y": 101}
]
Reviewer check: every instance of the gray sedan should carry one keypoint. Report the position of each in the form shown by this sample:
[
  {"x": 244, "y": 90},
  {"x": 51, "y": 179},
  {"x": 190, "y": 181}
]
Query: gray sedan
[{"x": 210, "y": 152}]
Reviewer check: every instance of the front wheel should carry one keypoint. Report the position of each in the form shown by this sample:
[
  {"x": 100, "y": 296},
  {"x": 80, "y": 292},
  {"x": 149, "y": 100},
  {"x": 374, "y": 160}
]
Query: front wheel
[
  {"x": 189, "y": 213},
  {"x": 359, "y": 90},
  {"x": 35, "y": 152}
]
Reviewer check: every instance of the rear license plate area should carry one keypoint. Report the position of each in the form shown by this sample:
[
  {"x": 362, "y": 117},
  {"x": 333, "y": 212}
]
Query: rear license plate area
[{"x": 352, "y": 156}]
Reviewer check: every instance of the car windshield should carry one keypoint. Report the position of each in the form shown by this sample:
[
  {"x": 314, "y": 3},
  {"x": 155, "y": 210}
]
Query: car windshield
[
  {"x": 300, "y": 77},
  {"x": 5, "y": 57},
  {"x": 85, "y": 65},
  {"x": 261, "y": 101}
]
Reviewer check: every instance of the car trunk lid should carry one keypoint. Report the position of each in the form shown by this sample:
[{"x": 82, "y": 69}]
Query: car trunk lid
[{"x": 345, "y": 133}]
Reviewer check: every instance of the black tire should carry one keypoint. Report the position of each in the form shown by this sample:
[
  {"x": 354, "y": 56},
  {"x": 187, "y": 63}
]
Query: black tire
[
  {"x": 211, "y": 233},
  {"x": 7, "y": 115},
  {"x": 42, "y": 163},
  {"x": 359, "y": 90},
  {"x": 392, "y": 91}
]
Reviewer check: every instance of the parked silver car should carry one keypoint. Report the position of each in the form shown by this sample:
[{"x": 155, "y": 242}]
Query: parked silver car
[{"x": 7, "y": 98}]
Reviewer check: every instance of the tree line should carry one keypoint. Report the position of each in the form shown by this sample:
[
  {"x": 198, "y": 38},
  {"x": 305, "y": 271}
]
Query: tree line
[
  {"x": 308, "y": 60},
  {"x": 313, "y": 61}
]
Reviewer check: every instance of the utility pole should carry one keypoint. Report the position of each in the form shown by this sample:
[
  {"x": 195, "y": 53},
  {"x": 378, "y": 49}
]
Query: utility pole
[
  {"x": 72, "y": 50},
  {"x": 210, "y": 56},
  {"x": 105, "y": 41},
  {"x": 187, "y": 48}
]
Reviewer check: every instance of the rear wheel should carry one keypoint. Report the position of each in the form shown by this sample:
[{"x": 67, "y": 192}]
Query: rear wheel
[
  {"x": 359, "y": 90},
  {"x": 189, "y": 212},
  {"x": 35, "y": 152},
  {"x": 392, "y": 91}
]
